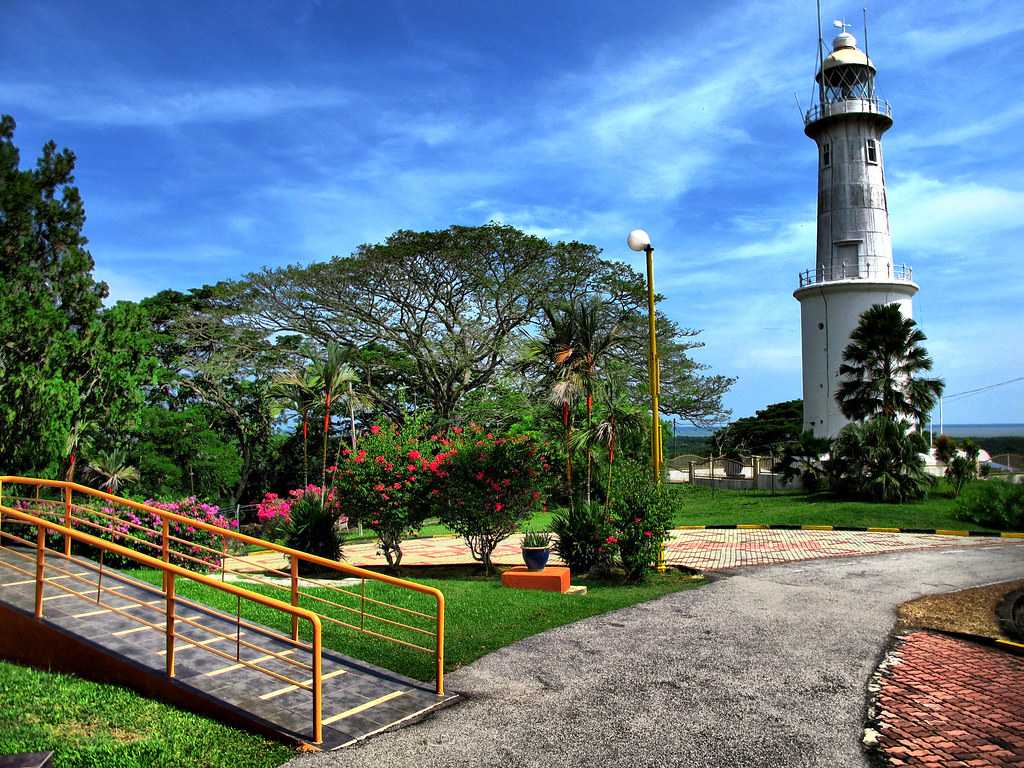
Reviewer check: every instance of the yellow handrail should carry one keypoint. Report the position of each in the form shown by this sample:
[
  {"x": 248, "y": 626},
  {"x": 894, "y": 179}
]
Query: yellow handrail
[
  {"x": 293, "y": 555},
  {"x": 171, "y": 571}
]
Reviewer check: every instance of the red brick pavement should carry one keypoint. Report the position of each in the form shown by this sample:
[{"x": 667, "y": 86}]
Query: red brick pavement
[{"x": 949, "y": 702}]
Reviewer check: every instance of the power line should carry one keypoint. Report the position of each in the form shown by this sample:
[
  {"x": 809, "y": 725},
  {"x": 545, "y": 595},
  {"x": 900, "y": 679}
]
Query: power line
[{"x": 978, "y": 390}]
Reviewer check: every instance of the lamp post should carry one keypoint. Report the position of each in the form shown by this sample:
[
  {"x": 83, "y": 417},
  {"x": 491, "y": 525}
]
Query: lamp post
[{"x": 639, "y": 240}]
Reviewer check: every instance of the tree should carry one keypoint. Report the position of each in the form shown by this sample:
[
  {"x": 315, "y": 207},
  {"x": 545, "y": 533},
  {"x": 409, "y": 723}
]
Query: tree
[
  {"x": 229, "y": 368},
  {"x": 961, "y": 463},
  {"x": 778, "y": 424},
  {"x": 48, "y": 303},
  {"x": 883, "y": 366},
  {"x": 297, "y": 390},
  {"x": 438, "y": 316}
]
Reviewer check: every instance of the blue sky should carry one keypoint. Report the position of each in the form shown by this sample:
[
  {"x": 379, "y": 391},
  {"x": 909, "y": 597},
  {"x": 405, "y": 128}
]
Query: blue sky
[{"x": 216, "y": 138}]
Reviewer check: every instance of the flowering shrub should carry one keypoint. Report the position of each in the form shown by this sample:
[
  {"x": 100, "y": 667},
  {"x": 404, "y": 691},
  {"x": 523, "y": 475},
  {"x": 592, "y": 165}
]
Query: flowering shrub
[
  {"x": 147, "y": 527},
  {"x": 274, "y": 512},
  {"x": 582, "y": 542},
  {"x": 640, "y": 517},
  {"x": 490, "y": 486},
  {"x": 388, "y": 482}
]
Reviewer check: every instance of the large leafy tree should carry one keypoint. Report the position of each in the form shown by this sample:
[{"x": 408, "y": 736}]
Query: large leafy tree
[
  {"x": 771, "y": 428},
  {"x": 439, "y": 316},
  {"x": 879, "y": 459},
  {"x": 883, "y": 369},
  {"x": 69, "y": 370}
]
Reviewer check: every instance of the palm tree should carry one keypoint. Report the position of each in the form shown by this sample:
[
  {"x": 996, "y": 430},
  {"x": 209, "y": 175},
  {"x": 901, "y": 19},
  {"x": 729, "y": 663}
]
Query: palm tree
[
  {"x": 882, "y": 366},
  {"x": 616, "y": 418},
  {"x": 573, "y": 351},
  {"x": 334, "y": 376},
  {"x": 297, "y": 391},
  {"x": 879, "y": 459},
  {"x": 113, "y": 470},
  {"x": 77, "y": 440}
]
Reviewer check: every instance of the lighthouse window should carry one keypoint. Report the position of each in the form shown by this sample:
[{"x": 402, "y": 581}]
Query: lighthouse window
[
  {"x": 872, "y": 152},
  {"x": 826, "y": 155}
]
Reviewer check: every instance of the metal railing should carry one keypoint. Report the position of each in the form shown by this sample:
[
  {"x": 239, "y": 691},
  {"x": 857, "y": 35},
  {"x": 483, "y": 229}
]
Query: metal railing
[
  {"x": 421, "y": 631},
  {"x": 862, "y": 271},
  {"x": 874, "y": 106},
  {"x": 166, "y": 605}
]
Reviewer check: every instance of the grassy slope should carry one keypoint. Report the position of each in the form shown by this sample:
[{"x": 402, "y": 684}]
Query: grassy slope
[
  {"x": 705, "y": 506},
  {"x": 481, "y": 615},
  {"x": 105, "y": 726}
]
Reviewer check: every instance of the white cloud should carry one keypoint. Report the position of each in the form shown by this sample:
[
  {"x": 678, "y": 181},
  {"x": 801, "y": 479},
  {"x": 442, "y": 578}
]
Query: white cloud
[{"x": 131, "y": 104}]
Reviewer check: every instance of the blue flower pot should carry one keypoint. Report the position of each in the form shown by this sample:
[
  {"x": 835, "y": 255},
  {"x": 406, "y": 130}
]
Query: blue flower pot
[{"x": 535, "y": 558}]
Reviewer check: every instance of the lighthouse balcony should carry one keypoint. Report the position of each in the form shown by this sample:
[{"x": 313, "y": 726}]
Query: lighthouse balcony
[
  {"x": 862, "y": 106},
  {"x": 862, "y": 271}
]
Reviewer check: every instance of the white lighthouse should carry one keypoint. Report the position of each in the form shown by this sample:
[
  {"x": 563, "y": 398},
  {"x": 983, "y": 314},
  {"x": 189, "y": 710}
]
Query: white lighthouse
[{"x": 854, "y": 267}]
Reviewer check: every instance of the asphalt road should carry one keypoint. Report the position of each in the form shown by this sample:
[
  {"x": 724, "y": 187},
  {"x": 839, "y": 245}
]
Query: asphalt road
[{"x": 766, "y": 667}]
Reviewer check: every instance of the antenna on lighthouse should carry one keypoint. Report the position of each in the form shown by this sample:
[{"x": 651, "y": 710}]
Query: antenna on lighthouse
[
  {"x": 871, "y": 85},
  {"x": 821, "y": 60}
]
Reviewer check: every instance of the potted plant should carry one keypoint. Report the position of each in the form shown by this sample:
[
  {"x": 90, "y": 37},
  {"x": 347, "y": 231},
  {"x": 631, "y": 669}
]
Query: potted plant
[{"x": 536, "y": 550}]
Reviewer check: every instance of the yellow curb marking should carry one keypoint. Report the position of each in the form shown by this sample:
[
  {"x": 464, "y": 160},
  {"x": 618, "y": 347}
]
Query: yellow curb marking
[
  {"x": 883, "y": 530},
  {"x": 233, "y": 667},
  {"x": 944, "y": 532},
  {"x": 1012, "y": 535},
  {"x": 363, "y": 707},
  {"x": 816, "y": 527},
  {"x": 750, "y": 526},
  {"x": 289, "y": 688}
]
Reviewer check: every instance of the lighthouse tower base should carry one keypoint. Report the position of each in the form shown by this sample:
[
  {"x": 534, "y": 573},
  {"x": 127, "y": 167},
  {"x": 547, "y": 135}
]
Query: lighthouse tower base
[{"x": 829, "y": 312}]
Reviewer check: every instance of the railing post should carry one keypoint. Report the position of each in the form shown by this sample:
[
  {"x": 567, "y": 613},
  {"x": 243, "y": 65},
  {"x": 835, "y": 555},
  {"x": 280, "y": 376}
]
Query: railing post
[
  {"x": 440, "y": 645},
  {"x": 223, "y": 556},
  {"x": 1, "y": 514},
  {"x": 318, "y": 725},
  {"x": 40, "y": 566},
  {"x": 165, "y": 547},
  {"x": 295, "y": 595},
  {"x": 169, "y": 579},
  {"x": 67, "y": 521}
]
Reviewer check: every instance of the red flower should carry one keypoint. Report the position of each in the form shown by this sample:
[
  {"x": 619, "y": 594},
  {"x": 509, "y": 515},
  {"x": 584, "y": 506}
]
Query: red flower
[
  {"x": 413, "y": 454},
  {"x": 380, "y": 487},
  {"x": 374, "y": 430},
  {"x": 375, "y": 522},
  {"x": 498, "y": 506},
  {"x": 536, "y": 495},
  {"x": 411, "y": 468},
  {"x": 380, "y": 460},
  {"x": 648, "y": 534},
  {"x": 457, "y": 430},
  {"x": 611, "y": 540},
  {"x": 480, "y": 475},
  {"x": 397, "y": 486},
  {"x": 638, "y": 520},
  {"x": 332, "y": 468},
  {"x": 490, "y": 436}
]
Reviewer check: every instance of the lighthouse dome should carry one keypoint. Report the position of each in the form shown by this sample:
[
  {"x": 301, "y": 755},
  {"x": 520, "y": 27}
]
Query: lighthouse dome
[{"x": 845, "y": 52}]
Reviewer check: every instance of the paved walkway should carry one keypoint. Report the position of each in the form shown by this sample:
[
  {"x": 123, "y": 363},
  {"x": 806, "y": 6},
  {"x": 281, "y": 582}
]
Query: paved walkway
[
  {"x": 705, "y": 550},
  {"x": 762, "y": 667},
  {"x": 950, "y": 702}
]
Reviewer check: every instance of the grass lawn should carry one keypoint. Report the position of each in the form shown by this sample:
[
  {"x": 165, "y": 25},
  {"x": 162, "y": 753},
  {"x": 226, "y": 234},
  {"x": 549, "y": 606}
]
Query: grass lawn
[
  {"x": 706, "y": 506},
  {"x": 90, "y": 725},
  {"x": 481, "y": 615}
]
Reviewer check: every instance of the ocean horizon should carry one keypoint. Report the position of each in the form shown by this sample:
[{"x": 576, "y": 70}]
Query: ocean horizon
[{"x": 953, "y": 430}]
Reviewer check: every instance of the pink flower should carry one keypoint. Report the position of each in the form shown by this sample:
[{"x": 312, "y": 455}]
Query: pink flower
[
  {"x": 648, "y": 534},
  {"x": 413, "y": 454},
  {"x": 332, "y": 468},
  {"x": 457, "y": 430},
  {"x": 375, "y": 430},
  {"x": 611, "y": 540},
  {"x": 397, "y": 486}
]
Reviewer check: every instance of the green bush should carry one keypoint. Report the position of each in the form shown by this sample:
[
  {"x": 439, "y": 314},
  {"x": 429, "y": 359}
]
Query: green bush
[
  {"x": 581, "y": 537},
  {"x": 879, "y": 460},
  {"x": 994, "y": 504},
  {"x": 641, "y": 516}
]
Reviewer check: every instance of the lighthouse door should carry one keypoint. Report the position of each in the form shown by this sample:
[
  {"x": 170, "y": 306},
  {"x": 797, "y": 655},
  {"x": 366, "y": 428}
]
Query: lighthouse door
[{"x": 847, "y": 261}]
